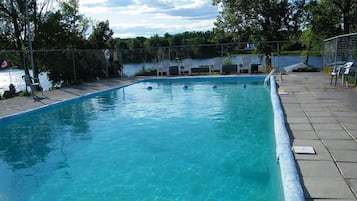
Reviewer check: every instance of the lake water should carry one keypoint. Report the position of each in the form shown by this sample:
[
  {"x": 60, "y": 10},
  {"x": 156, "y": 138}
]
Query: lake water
[
  {"x": 278, "y": 61},
  {"x": 14, "y": 76}
]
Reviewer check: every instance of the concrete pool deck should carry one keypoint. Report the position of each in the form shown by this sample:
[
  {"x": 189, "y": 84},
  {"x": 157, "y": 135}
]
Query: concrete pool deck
[
  {"x": 324, "y": 117},
  {"x": 318, "y": 115}
]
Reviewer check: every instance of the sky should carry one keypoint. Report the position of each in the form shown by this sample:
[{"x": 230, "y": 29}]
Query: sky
[{"x": 133, "y": 18}]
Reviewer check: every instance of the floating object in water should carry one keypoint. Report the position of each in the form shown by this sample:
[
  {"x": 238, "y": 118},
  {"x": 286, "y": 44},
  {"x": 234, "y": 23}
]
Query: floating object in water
[
  {"x": 244, "y": 86},
  {"x": 185, "y": 87},
  {"x": 149, "y": 88},
  {"x": 214, "y": 87}
]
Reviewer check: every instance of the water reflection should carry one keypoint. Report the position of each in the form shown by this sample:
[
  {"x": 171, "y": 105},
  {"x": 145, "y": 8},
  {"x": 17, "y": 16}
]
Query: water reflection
[
  {"x": 33, "y": 147},
  {"x": 22, "y": 147},
  {"x": 28, "y": 140}
]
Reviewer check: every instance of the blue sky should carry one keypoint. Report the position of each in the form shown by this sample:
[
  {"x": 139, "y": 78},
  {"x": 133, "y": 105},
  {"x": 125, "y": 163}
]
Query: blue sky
[{"x": 132, "y": 18}]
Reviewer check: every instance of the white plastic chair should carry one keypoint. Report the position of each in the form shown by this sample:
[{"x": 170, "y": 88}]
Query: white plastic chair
[
  {"x": 186, "y": 66},
  {"x": 164, "y": 67},
  {"x": 335, "y": 73},
  {"x": 217, "y": 65},
  {"x": 347, "y": 70}
]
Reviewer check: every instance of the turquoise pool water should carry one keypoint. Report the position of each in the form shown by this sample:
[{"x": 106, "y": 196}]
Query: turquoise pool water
[{"x": 211, "y": 140}]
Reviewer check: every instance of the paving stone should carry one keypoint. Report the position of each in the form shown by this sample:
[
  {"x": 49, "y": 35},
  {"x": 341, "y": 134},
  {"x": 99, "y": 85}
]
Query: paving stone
[
  {"x": 313, "y": 168},
  {"x": 288, "y": 100},
  {"x": 349, "y": 170},
  {"x": 327, "y": 126},
  {"x": 307, "y": 102},
  {"x": 316, "y": 107},
  {"x": 346, "y": 115},
  {"x": 341, "y": 144},
  {"x": 350, "y": 125},
  {"x": 301, "y": 127},
  {"x": 353, "y": 185},
  {"x": 353, "y": 133},
  {"x": 304, "y": 135},
  {"x": 344, "y": 155},
  {"x": 341, "y": 108},
  {"x": 333, "y": 134},
  {"x": 327, "y": 188},
  {"x": 316, "y": 120},
  {"x": 346, "y": 119},
  {"x": 294, "y": 113},
  {"x": 318, "y": 114},
  {"x": 297, "y": 120},
  {"x": 293, "y": 109}
]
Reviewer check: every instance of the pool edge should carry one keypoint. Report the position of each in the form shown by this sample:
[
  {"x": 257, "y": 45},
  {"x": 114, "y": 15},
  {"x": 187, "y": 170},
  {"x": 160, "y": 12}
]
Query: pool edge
[{"x": 289, "y": 175}]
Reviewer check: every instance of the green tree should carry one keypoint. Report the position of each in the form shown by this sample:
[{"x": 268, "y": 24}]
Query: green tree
[
  {"x": 102, "y": 36},
  {"x": 327, "y": 18},
  {"x": 12, "y": 19},
  {"x": 75, "y": 24},
  {"x": 60, "y": 29},
  {"x": 347, "y": 10},
  {"x": 156, "y": 41},
  {"x": 311, "y": 43},
  {"x": 52, "y": 32},
  {"x": 260, "y": 22},
  {"x": 323, "y": 19}
]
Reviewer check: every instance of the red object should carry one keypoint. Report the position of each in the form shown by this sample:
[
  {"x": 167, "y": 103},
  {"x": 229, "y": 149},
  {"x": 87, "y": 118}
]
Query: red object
[{"x": 4, "y": 64}]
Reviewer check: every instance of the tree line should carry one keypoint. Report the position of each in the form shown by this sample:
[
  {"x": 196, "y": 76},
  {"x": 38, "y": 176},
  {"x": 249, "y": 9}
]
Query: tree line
[{"x": 303, "y": 23}]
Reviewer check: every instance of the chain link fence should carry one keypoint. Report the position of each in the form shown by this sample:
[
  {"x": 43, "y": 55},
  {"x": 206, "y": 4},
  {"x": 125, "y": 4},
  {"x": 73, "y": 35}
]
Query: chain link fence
[
  {"x": 82, "y": 65},
  {"x": 339, "y": 49}
]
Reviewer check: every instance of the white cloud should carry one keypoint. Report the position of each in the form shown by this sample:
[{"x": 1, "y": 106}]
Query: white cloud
[
  {"x": 131, "y": 18},
  {"x": 91, "y": 2},
  {"x": 89, "y": 11},
  {"x": 192, "y": 4}
]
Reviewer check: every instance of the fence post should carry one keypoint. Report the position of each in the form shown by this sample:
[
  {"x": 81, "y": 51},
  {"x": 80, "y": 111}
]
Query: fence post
[
  {"x": 74, "y": 66},
  {"x": 29, "y": 35},
  {"x": 281, "y": 74}
]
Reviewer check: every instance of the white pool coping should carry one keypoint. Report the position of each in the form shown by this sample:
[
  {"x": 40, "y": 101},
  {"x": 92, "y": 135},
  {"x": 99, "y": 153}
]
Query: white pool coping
[{"x": 289, "y": 175}]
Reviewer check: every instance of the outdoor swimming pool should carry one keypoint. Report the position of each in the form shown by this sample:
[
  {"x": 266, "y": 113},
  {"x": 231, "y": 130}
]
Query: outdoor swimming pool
[{"x": 181, "y": 139}]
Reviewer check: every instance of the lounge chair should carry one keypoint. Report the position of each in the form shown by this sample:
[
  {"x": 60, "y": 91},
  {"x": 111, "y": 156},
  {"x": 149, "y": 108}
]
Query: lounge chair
[
  {"x": 217, "y": 65},
  {"x": 246, "y": 64},
  {"x": 200, "y": 69},
  {"x": 230, "y": 68},
  {"x": 33, "y": 84},
  {"x": 164, "y": 67},
  {"x": 186, "y": 66}
]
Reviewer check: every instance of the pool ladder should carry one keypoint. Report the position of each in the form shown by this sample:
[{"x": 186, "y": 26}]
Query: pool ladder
[{"x": 268, "y": 76}]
